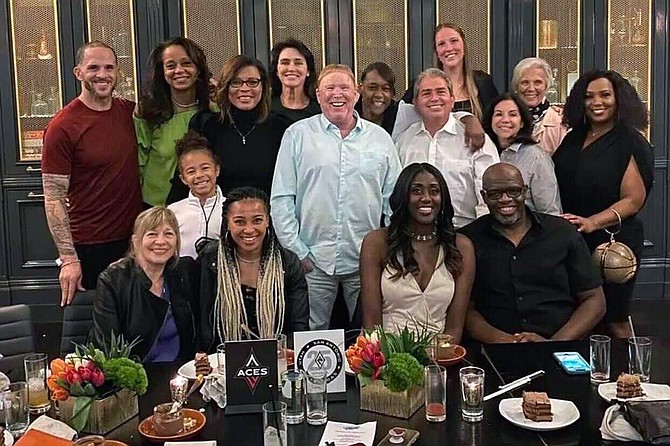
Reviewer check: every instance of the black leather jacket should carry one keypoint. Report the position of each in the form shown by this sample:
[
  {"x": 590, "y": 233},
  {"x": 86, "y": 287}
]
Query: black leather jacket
[
  {"x": 296, "y": 314},
  {"x": 124, "y": 303}
]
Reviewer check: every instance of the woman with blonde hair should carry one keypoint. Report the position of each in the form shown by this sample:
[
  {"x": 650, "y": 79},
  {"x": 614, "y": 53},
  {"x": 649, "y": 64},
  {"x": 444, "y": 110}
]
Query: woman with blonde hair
[
  {"x": 474, "y": 89},
  {"x": 148, "y": 294},
  {"x": 250, "y": 286}
]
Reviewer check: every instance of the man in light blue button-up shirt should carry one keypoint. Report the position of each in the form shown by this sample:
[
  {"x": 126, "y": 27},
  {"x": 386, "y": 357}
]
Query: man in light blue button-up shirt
[{"x": 334, "y": 175}]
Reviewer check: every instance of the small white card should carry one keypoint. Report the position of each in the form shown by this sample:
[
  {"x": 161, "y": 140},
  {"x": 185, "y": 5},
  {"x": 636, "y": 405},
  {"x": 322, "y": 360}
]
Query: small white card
[
  {"x": 322, "y": 350},
  {"x": 345, "y": 434}
]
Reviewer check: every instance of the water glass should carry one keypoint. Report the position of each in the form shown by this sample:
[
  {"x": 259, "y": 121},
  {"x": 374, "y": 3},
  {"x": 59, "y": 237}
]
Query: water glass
[
  {"x": 274, "y": 424},
  {"x": 221, "y": 359},
  {"x": 293, "y": 395},
  {"x": 639, "y": 357},
  {"x": 36, "y": 377},
  {"x": 316, "y": 384},
  {"x": 435, "y": 382},
  {"x": 472, "y": 393},
  {"x": 600, "y": 358},
  {"x": 281, "y": 355},
  {"x": 15, "y": 402}
]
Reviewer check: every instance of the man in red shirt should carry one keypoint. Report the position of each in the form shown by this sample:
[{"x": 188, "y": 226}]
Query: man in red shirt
[{"x": 90, "y": 174}]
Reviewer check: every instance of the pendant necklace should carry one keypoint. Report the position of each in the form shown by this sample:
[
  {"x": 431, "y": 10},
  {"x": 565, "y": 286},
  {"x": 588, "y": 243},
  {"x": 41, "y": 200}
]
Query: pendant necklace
[
  {"x": 423, "y": 237},
  {"x": 244, "y": 136}
]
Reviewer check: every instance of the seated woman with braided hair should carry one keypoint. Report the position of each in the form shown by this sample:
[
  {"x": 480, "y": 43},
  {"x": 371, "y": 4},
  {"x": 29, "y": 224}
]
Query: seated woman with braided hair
[{"x": 247, "y": 279}]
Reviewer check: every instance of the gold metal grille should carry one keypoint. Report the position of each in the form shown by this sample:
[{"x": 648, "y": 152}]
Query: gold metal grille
[
  {"x": 37, "y": 71},
  {"x": 380, "y": 34},
  {"x": 474, "y": 17},
  {"x": 215, "y": 26},
  {"x": 112, "y": 22},
  {"x": 629, "y": 43},
  {"x": 302, "y": 20},
  {"x": 558, "y": 32}
]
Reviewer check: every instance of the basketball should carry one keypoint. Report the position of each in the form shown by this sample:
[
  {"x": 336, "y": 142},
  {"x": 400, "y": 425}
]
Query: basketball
[{"x": 616, "y": 262}]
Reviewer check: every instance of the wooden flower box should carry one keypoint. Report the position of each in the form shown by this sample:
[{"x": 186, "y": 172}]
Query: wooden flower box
[
  {"x": 105, "y": 414},
  {"x": 375, "y": 397}
]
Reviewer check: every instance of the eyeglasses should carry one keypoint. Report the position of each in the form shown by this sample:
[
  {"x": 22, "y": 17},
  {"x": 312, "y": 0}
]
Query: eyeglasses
[
  {"x": 252, "y": 82},
  {"x": 496, "y": 194}
]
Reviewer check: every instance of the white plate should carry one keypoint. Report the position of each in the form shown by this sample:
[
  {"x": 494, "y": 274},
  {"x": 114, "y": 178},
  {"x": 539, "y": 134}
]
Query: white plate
[
  {"x": 565, "y": 413},
  {"x": 188, "y": 370},
  {"x": 653, "y": 392},
  {"x": 9, "y": 440}
]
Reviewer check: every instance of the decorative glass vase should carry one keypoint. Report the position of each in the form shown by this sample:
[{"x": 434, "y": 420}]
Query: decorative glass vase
[{"x": 376, "y": 397}]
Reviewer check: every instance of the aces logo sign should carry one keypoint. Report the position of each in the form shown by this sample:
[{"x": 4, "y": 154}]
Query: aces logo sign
[{"x": 251, "y": 374}]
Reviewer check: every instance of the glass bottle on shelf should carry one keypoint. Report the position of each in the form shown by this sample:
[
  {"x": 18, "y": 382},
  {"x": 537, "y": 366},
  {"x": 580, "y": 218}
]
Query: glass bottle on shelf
[
  {"x": 552, "y": 91},
  {"x": 635, "y": 80},
  {"x": 43, "y": 45},
  {"x": 123, "y": 44},
  {"x": 38, "y": 106},
  {"x": 53, "y": 101},
  {"x": 127, "y": 90}
]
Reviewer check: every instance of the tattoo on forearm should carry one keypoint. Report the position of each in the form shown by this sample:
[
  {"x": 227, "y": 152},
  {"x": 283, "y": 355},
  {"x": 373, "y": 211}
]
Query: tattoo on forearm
[{"x": 55, "y": 193}]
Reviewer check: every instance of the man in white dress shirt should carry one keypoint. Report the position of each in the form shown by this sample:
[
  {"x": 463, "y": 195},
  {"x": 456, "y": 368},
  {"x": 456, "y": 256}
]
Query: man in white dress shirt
[{"x": 439, "y": 139}]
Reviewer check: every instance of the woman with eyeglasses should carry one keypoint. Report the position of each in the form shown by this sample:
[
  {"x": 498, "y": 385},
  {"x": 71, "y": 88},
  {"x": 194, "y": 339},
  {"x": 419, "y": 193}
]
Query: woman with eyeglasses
[{"x": 243, "y": 135}]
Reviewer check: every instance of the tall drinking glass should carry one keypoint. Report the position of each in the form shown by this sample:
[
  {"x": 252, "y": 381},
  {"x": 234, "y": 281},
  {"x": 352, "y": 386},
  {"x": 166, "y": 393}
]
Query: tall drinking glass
[
  {"x": 316, "y": 385},
  {"x": 15, "y": 402},
  {"x": 293, "y": 395},
  {"x": 281, "y": 355},
  {"x": 221, "y": 359},
  {"x": 274, "y": 424},
  {"x": 435, "y": 382},
  {"x": 639, "y": 357},
  {"x": 472, "y": 393},
  {"x": 36, "y": 377},
  {"x": 599, "y": 346}
]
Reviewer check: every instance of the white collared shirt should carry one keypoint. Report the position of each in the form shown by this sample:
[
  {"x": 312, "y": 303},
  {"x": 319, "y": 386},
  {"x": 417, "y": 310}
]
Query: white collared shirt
[
  {"x": 462, "y": 168},
  {"x": 197, "y": 221}
]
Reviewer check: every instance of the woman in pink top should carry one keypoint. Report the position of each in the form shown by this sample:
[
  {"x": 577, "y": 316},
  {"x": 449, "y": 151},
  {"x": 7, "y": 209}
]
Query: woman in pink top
[{"x": 530, "y": 80}]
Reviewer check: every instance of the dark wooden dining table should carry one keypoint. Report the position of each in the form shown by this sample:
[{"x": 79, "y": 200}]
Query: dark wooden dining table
[{"x": 502, "y": 363}]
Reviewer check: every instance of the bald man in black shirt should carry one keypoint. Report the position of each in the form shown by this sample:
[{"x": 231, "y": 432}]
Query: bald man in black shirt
[{"x": 535, "y": 279}]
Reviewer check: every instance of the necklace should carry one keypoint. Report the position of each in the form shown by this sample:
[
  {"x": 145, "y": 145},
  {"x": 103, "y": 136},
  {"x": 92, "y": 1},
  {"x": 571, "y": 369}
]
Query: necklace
[
  {"x": 180, "y": 105},
  {"x": 244, "y": 137},
  {"x": 596, "y": 132},
  {"x": 245, "y": 260},
  {"x": 423, "y": 237}
]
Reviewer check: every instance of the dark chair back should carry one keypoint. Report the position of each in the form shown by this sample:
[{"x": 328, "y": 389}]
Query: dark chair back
[
  {"x": 17, "y": 339},
  {"x": 354, "y": 327},
  {"x": 77, "y": 321}
]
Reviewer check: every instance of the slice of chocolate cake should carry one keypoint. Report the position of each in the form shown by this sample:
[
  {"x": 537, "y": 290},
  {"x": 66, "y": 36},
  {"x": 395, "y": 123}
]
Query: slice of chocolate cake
[
  {"x": 628, "y": 386},
  {"x": 202, "y": 365},
  {"x": 537, "y": 406}
]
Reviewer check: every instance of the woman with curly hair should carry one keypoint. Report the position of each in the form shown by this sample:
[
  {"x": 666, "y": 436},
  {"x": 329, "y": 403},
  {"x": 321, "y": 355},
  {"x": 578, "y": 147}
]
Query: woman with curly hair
[
  {"x": 604, "y": 168},
  {"x": 293, "y": 76},
  {"x": 248, "y": 279},
  {"x": 417, "y": 272},
  {"x": 177, "y": 86}
]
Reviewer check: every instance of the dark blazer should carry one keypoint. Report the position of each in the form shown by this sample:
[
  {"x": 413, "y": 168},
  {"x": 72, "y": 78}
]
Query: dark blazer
[
  {"x": 296, "y": 314},
  {"x": 124, "y": 303}
]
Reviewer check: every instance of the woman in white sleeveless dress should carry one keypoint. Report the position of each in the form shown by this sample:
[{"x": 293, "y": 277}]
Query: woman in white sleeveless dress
[{"x": 417, "y": 272}]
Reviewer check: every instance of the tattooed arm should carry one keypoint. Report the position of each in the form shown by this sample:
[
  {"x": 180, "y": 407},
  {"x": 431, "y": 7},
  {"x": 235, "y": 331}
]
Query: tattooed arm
[{"x": 55, "y": 192}]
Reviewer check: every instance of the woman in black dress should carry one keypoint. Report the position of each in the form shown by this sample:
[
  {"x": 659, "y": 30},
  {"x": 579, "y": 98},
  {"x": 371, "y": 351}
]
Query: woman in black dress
[
  {"x": 604, "y": 168},
  {"x": 243, "y": 135}
]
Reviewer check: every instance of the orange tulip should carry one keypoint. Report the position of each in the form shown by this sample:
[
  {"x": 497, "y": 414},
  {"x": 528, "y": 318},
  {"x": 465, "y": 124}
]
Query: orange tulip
[
  {"x": 52, "y": 383},
  {"x": 60, "y": 395},
  {"x": 355, "y": 362},
  {"x": 58, "y": 366},
  {"x": 361, "y": 342}
]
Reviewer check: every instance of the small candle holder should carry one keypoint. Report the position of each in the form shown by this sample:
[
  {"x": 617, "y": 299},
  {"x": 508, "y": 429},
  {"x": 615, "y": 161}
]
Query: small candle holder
[
  {"x": 472, "y": 393},
  {"x": 397, "y": 435},
  {"x": 178, "y": 389}
]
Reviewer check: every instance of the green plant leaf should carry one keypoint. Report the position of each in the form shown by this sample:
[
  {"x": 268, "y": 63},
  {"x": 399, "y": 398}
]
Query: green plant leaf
[
  {"x": 89, "y": 390},
  {"x": 80, "y": 411},
  {"x": 76, "y": 390},
  {"x": 364, "y": 380}
]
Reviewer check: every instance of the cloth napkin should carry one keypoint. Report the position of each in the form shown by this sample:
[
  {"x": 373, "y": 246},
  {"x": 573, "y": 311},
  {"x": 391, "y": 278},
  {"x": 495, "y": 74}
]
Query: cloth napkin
[
  {"x": 214, "y": 388},
  {"x": 615, "y": 427},
  {"x": 53, "y": 427}
]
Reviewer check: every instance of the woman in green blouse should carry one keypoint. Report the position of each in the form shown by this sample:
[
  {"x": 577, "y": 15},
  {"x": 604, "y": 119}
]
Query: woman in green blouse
[{"x": 177, "y": 87}]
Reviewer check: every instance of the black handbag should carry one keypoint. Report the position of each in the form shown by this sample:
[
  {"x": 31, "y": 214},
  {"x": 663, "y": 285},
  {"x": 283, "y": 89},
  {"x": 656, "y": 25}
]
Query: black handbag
[{"x": 650, "y": 418}]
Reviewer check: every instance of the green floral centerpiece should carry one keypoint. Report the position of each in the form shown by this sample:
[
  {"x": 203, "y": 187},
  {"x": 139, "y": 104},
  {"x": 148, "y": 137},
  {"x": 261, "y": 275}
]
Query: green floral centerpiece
[
  {"x": 97, "y": 388},
  {"x": 389, "y": 367}
]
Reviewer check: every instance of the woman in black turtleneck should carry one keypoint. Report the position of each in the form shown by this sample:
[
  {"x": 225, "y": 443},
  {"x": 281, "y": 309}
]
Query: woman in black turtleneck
[{"x": 244, "y": 136}]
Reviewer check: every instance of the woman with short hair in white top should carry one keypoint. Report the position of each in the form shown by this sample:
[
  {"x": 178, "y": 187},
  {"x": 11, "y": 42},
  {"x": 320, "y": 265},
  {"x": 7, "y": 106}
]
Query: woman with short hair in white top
[
  {"x": 199, "y": 215},
  {"x": 417, "y": 272}
]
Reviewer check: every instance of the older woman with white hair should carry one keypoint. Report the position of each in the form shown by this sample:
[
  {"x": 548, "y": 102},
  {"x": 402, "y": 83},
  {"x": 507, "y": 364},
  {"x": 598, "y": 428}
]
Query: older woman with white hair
[{"x": 530, "y": 80}]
